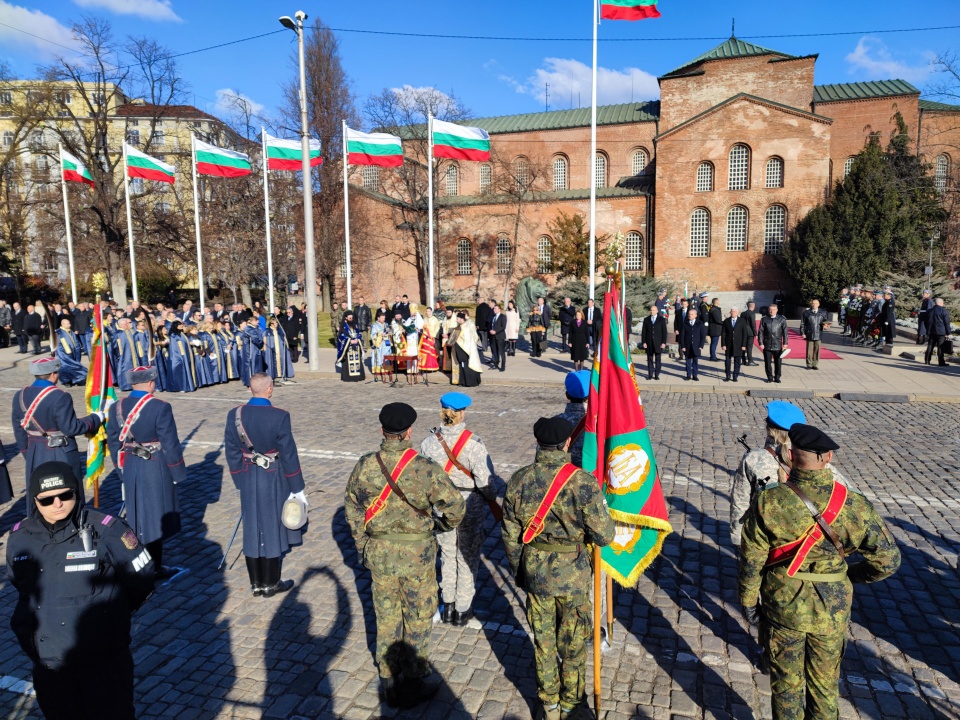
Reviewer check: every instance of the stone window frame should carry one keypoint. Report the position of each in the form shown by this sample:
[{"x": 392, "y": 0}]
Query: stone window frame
[
  {"x": 734, "y": 181},
  {"x": 705, "y": 179},
  {"x": 451, "y": 179},
  {"x": 941, "y": 172},
  {"x": 601, "y": 170},
  {"x": 521, "y": 173},
  {"x": 637, "y": 153},
  {"x": 775, "y": 162},
  {"x": 486, "y": 177},
  {"x": 504, "y": 261},
  {"x": 633, "y": 251},
  {"x": 464, "y": 257},
  {"x": 700, "y": 236},
  {"x": 561, "y": 172},
  {"x": 544, "y": 255},
  {"x": 744, "y": 225},
  {"x": 773, "y": 245}
]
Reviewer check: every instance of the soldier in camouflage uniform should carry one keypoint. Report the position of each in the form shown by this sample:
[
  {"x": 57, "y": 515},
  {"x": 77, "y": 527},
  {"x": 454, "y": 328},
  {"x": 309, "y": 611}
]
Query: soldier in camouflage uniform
[
  {"x": 394, "y": 533},
  {"x": 460, "y": 548},
  {"x": 577, "y": 385},
  {"x": 555, "y": 566},
  {"x": 761, "y": 467},
  {"x": 806, "y": 615}
]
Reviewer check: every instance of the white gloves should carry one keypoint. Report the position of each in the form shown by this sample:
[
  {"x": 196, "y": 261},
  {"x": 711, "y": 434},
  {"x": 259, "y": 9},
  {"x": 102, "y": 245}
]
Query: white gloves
[{"x": 299, "y": 496}]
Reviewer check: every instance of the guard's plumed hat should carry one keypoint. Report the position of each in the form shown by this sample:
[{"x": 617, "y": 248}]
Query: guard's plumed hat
[
  {"x": 52, "y": 476},
  {"x": 142, "y": 374},
  {"x": 455, "y": 401},
  {"x": 44, "y": 366},
  {"x": 577, "y": 384},
  {"x": 811, "y": 439},
  {"x": 552, "y": 431},
  {"x": 397, "y": 417},
  {"x": 784, "y": 415}
]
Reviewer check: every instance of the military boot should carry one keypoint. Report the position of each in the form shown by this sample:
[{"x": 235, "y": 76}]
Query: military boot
[
  {"x": 548, "y": 713},
  {"x": 580, "y": 711},
  {"x": 388, "y": 692},
  {"x": 418, "y": 690}
]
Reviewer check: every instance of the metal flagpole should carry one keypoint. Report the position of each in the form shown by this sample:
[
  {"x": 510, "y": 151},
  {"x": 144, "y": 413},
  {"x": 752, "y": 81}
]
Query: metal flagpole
[
  {"x": 593, "y": 157},
  {"x": 430, "y": 204},
  {"x": 266, "y": 212},
  {"x": 66, "y": 220},
  {"x": 196, "y": 217},
  {"x": 126, "y": 193},
  {"x": 346, "y": 220}
]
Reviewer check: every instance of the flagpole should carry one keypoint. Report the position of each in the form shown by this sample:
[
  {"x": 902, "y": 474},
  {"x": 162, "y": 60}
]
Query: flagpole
[
  {"x": 346, "y": 220},
  {"x": 430, "y": 204},
  {"x": 593, "y": 158},
  {"x": 126, "y": 194},
  {"x": 196, "y": 217},
  {"x": 66, "y": 220},
  {"x": 597, "y": 598},
  {"x": 266, "y": 213},
  {"x": 103, "y": 384}
]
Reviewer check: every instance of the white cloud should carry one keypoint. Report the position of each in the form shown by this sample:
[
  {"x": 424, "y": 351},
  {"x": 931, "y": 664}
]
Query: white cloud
[
  {"x": 149, "y": 9},
  {"x": 874, "y": 58},
  {"x": 47, "y": 36},
  {"x": 231, "y": 103},
  {"x": 569, "y": 78}
]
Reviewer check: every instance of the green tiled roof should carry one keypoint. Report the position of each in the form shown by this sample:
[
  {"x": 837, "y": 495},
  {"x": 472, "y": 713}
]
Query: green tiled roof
[
  {"x": 862, "y": 90},
  {"x": 732, "y": 48},
  {"x": 943, "y": 107},
  {"x": 648, "y": 111}
]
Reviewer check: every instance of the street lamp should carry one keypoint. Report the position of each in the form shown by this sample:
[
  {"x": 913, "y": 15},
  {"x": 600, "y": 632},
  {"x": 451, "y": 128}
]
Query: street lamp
[{"x": 310, "y": 260}]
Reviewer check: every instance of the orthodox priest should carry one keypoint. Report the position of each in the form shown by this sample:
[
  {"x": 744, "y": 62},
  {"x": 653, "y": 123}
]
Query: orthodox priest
[
  {"x": 466, "y": 359},
  {"x": 350, "y": 350}
]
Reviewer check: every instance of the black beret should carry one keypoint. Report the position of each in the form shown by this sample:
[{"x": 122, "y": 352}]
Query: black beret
[
  {"x": 811, "y": 439},
  {"x": 552, "y": 431},
  {"x": 52, "y": 476},
  {"x": 396, "y": 417}
]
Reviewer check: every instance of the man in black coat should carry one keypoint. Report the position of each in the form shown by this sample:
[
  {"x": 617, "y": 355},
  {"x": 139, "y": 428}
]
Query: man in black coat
[
  {"x": 749, "y": 317},
  {"x": 482, "y": 321},
  {"x": 594, "y": 318},
  {"x": 547, "y": 312},
  {"x": 6, "y": 322},
  {"x": 693, "y": 336},
  {"x": 567, "y": 314},
  {"x": 653, "y": 339},
  {"x": 679, "y": 319},
  {"x": 926, "y": 305},
  {"x": 938, "y": 326},
  {"x": 734, "y": 343},
  {"x": 19, "y": 316},
  {"x": 82, "y": 319},
  {"x": 292, "y": 327},
  {"x": 888, "y": 320},
  {"x": 773, "y": 340},
  {"x": 498, "y": 338},
  {"x": 33, "y": 327},
  {"x": 361, "y": 313},
  {"x": 715, "y": 327}
]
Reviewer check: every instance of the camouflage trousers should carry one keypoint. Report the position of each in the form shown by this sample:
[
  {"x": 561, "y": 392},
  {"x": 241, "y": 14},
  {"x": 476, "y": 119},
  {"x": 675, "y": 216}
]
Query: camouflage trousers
[
  {"x": 804, "y": 672},
  {"x": 404, "y": 605},
  {"x": 460, "y": 555},
  {"x": 560, "y": 627}
]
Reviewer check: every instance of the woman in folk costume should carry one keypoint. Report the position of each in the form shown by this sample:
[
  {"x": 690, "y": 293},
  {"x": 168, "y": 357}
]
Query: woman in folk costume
[
  {"x": 276, "y": 354},
  {"x": 466, "y": 359},
  {"x": 72, "y": 371},
  {"x": 513, "y": 327},
  {"x": 230, "y": 347},
  {"x": 411, "y": 327},
  {"x": 536, "y": 326},
  {"x": 428, "y": 359},
  {"x": 211, "y": 349},
  {"x": 182, "y": 376},
  {"x": 350, "y": 351},
  {"x": 382, "y": 346},
  {"x": 251, "y": 350}
]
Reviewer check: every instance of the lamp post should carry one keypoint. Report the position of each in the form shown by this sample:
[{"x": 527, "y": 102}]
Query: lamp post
[{"x": 310, "y": 260}]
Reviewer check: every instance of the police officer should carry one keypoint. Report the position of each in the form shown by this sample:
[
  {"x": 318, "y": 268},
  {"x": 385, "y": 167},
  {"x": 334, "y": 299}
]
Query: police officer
[
  {"x": 45, "y": 424},
  {"x": 394, "y": 501},
  {"x": 80, "y": 575},
  {"x": 577, "y": 386},
  {"x": 465, "y": 459},
  {"x": 551, "y": 511},
  {"x": 262, "y": 457},
  {"x": 793, "y": 574},
  {"x": 145, "y": 447}
]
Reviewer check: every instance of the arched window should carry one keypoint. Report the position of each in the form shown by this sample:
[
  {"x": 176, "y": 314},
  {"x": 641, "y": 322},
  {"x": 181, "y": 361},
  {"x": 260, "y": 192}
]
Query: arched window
[
  {"x": 486, "y": 177},
  {"x": 633, "y": 251},
  {"x": 739, "y": 178},
  {"x": 559, "y": 173},
  {"x": 544, "y": 255},
  {"x": 774, "y": 228},
  {"x": 453, "y": 180},
  {"x": 464, "y": 257},
  {"x": 941, "y": 172},
  {"x": 737, "y": 228},
  {"x": 775, "y": 173},
  {"x": 638, "y": 163},
  {"x": 700, "y": 233},
  {"x": 704, "y": 177},
  {"x": 371, "y": 177},
  {"x": 600, "y": 170},
  {"x": 342, "y": 261},
  {"x": 521, "y": 174},
  {"x": 504, "y": 261},
  {"x": 848, "y": 166}
]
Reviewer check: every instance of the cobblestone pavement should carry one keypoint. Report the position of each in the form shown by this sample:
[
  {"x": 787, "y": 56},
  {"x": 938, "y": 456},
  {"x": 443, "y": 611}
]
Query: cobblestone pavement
[{"x": 205, "y": 648}]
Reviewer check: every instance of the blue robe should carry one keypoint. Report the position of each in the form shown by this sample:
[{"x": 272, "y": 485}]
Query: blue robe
[
  {"x": 124, "y": 356},
  {"x": 231, "y": 354},
  {"x": 251, "y": 361},
  {"x": 181, "y": 376},
  {"x": 277, "y": 354},
  {"x": 72, "y": 371},
  {"x": 214, "y": 356},
  {"x": 162, "y": 363},
  {"x": 141, "y": 343},
  {"x": 206, "y": 374}
]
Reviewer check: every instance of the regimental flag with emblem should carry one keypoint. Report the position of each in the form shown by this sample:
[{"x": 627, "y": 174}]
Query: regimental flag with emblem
[
  {"x": 141, "y": 165},
  {"x": 617, "y": 451},
  {"x": 288, "y": 154},
  {"x": 99, "y": 391},
  {"x": 628, "y": 9},
  {"x": 459, "y": 142},
  {"x": 220, "y": 162},
  {"x": 74, "y": 170},
  {"x": 381, "y": 149}
]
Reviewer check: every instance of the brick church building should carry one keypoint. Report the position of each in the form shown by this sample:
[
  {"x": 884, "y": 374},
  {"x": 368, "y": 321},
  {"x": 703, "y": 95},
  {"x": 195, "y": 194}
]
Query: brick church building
[{"x": 704, "y": 184}]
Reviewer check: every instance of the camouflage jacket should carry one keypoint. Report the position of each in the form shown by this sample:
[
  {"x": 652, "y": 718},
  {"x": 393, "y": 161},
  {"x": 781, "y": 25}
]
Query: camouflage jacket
[
  {"x": 572, "y": 414},
  {"x": 757, "y": 469},
  {"x": 425, "y": 484},
  {"x": 474, "y": 457},
  {"x": 779, "y": 517},
  {"x": 578, "y": 516}
]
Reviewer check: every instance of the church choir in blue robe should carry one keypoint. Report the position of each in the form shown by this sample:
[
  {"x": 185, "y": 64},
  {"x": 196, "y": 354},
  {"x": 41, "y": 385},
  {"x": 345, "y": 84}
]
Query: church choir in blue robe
[{"x": 72, "y": 371}]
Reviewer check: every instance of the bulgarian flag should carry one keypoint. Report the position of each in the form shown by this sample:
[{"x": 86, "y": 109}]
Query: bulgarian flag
[
  {"x": 628, "y": 9},
  {"x": 74, "y": 170},
  {"x": 617, "y": 451},
  {"x": 380, "y": 149},
  {"x": 459, "y": 142},
  {"x": 288, "y": 154},
  {"x": 99, "y": 392},
  {"x": 140, "y": 165},
  {"x": 213, "y": 160}
]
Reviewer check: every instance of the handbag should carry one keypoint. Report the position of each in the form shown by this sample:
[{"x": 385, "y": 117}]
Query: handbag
[{"x": 947, "y": 347}]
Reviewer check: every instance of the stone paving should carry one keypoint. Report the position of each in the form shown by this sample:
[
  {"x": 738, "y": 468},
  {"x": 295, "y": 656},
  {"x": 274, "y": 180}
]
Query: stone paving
[{"x": 205, "y": 648}]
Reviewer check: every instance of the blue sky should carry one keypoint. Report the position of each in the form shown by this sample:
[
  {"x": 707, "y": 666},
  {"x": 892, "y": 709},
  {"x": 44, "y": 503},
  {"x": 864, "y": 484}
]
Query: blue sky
[{"x": 491, "y": 77}]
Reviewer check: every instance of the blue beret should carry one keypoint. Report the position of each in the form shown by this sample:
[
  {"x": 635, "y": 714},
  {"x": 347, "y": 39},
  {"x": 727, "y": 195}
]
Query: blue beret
[
  {"x": 577, "y": 384},
  {"x": 455, "y": 401},
  {"x": 784, "y": 415}
]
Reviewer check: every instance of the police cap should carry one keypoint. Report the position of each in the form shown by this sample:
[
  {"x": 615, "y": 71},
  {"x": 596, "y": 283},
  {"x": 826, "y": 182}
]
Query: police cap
[
  {"x": 552, "y": 431},
  {"x": 397, "y": 418},
  {"x": 577, "y": 384},
  {"x": 784, "y": 415},
  {"x": 142, "y": 374},
  {"x": 811, "y": 439},
  {"x": 45, "y": 366},
  {"x": 52, "y": 476},
  {"x": 455, "y": 401}
]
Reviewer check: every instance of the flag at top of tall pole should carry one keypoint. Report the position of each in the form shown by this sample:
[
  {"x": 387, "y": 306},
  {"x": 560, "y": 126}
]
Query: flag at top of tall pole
[
  {"x": 459, "y": 142},
  {"x": 74, "y": 170},
  {"x": 381, "y": 149},
  {"x": 628, "y": 9},
  {"x": 288, "y": 154},
  {"x": 220, "y": 162}
]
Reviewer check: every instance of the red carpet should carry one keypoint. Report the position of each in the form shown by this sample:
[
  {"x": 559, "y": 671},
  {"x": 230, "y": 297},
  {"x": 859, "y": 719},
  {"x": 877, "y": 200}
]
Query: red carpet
[{"x": 798, "y": 347}]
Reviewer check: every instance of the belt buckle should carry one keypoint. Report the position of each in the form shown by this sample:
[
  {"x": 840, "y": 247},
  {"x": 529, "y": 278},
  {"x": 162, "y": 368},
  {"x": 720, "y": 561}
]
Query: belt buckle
[
  {"x": 143, "y": 453},
  {"x": 55, "y": 441},
  {"x": 262, "y": 461}
]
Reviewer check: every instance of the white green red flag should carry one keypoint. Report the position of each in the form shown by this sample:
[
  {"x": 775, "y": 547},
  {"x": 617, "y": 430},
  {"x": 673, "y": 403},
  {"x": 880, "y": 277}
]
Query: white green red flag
[
  {"x": 99, "y": 391},
  {"x": 141, "y": 165},
  {"x": 617, "y": 451},
  {"x": 459, "y": 142},
  {"x": 74, "y": 170},
  {"x": 288, "y": 154},
  {"x": 220, "y": 162},
  {"x": 380, "y": 149},
  {"x": 628, "y": 9}
]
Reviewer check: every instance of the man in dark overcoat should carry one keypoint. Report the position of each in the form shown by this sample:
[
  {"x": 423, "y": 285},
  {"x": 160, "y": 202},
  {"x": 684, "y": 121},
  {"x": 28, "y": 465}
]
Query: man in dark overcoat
[
  {"x": 653, "y": 339},
  {"x": 734, "y": 342},
  {"x": 693, "y": 335}
]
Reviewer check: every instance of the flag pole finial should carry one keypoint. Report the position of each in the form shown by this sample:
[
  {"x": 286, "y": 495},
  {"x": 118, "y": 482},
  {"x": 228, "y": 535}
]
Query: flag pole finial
[{"x": 733, "y": 28}]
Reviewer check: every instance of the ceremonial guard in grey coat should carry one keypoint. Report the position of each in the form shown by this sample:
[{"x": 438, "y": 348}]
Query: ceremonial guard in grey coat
[
  {"x": 459, "y": 451},
  {"x": 263, "y": 460},
  {"x": 143, "y": 441},
  {"x": 45, "y": 424}
]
